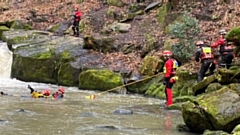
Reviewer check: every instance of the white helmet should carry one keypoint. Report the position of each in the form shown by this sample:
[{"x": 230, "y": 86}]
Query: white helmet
[{"x": 222, "y": 32}]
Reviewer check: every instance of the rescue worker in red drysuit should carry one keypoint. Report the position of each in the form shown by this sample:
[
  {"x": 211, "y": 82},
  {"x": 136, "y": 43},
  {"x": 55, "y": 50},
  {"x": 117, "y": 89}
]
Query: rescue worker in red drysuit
[
  {"x": 169, "y": 69},
  {"x": 216, "y": 46},
  {"x": 227, "y": 54},
  {"x": 76, "y": 19},
  {"x": 205, "y": 55}
]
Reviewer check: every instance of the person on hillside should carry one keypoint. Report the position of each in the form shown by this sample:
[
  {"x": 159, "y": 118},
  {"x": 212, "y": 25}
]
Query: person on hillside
[
  {"x": 169, "y": 69},
  {"x": 215, "y": 46},
  {"x": 227, "y": 54},
  {"x": 205, "y": 56},
  {"x": 76, "y": 19}
]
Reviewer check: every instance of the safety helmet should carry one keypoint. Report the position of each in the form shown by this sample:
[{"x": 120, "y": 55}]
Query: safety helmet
[
  {"x": 222, "y": 32},
  {"x": 199, "y": 43},
  {"x": 76, "y": 6},
  {"x": 46, "y": 92},
  {"x": 167, "y": 53},
  {"x": 61, "y": 90}
]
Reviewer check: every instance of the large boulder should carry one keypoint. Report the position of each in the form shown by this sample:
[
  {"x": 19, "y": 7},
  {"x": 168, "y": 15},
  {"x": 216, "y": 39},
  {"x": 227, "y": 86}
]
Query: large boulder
[
  {"x": 99, "y": 80},
  {"x": 150, "y": 65},
  {"x": 217, "y": 110},
  {"x": 49, "y": 61}
]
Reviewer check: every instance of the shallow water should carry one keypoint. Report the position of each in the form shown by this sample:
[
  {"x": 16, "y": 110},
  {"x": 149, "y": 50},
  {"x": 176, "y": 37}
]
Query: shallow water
[{"x": 76, "y": 115}]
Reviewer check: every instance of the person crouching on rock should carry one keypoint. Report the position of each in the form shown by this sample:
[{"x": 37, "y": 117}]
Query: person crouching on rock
[
  {"x": 59, "y": 93},
  {"x": 169, "y": 69}
]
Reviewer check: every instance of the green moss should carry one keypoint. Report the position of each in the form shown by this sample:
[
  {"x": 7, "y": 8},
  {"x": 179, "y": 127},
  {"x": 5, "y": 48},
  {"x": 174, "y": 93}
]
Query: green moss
[
  {"x": 3, "y": 28},
  {"x": 20, "y": 25},
  {"x": 54, "y": 28},
  {"x": 117, "y": 3},
  {"x": 99, "y": 80},
  {"x": 150, "y": 65},
  {"x": 233, "y": 34},
  {"x": 65, "y": 54},
  {"x": 68, "y": 75},
  {"x": 37, "y": 71},
  {"x": 162, "y": 12},
  {"x": 43, "y": 55}
]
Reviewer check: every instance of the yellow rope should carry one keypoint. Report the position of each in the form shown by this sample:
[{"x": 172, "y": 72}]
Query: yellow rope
[{"x": 130, "y": 83}]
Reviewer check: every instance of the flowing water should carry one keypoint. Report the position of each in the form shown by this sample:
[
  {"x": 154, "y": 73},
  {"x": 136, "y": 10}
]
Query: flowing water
[{"x": 75, "y": 115}]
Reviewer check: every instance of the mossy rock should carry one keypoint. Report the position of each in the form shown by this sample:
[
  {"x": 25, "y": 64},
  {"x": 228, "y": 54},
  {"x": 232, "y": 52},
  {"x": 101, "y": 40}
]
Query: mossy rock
[
  {"x": 99, "y": 80},
  {"x": 216, "y": 110},
  {"x": 208, "y": 132},
  {"x": 20, "y": 25},
  {"x": 37, "y": 72},
  {"x": 183, "y": 99},
  {"x": 146, "y": 82},
  {"x": 213, "y": 87},
  {"x": 175, "y": 106},
  {"x": 118, "y": 3},
  {"x": 235, "y": 86},
  {"x": 3, "y": 28},
  {"x": 201, "y": 86},
  {"x": 54, "y": 28},
  {"x": 17, "y": 37},
  {"x": 150, "y": 65},
  {"x": 162, "y": 12},
  {"x": 101, "y": 44},
  {"x": 236, "y": 130},
  {"x": 234, "y": 35},
  {"x": 168, "y": 44}
]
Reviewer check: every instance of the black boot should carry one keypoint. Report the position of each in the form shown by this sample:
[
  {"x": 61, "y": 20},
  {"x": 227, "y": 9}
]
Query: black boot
[{"x": 74, "y": 32}]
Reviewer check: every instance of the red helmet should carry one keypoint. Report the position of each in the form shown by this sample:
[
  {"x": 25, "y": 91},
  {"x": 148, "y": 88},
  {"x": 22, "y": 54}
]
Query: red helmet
[
  {"x": 76, "y": 7},
  {"x": 199, "y": 43},
  {"x": 46, "y": 92},
  {"x": 167, "y": 53},
  {"x": 61, "y": 90}
]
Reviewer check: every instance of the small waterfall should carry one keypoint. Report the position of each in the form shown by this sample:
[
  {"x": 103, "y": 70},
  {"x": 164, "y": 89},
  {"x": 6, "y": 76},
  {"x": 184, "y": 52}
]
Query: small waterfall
[{"x": 5, "y": 60}]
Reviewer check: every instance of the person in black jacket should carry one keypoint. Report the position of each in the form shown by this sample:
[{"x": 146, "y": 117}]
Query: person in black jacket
[
  {"x": 227, "y": 54},
  {"x": 205, "y": 56}
]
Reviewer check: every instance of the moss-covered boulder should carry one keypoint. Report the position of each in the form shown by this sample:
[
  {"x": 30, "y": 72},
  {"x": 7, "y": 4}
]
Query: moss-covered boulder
[
  {"x": 100, "y": 44},
  {"x": 213, "y": 87},
  {"x": 234, "y": 35},
  {"x": 236, "y": 130},
  {"x": 201, "y": 86},
  {"x": 226, "y": 76},
  {"x": 162, "y": 12},
  {"x": 218, "y": 110},
  {"x": 17, "y": 24},
  {"x": 3, "y": 28},
  {"x": 24, "y": 38},
  {"x": 48, "y": 61},
  {"x": 99, "y": 80},
  {"x": 209, "y": 132},
  {"x": 186, "y": 79},
  {"x": 235, "y": 86},
  {"x": 151, "y": 65},
  {"x": 53, "y": 28},
  {"x": 118, "y": 3}
]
